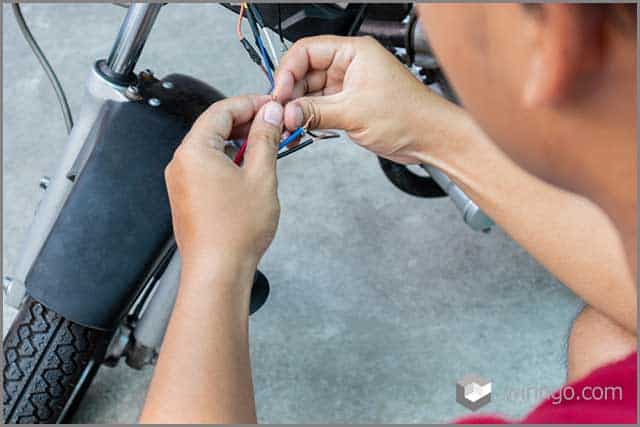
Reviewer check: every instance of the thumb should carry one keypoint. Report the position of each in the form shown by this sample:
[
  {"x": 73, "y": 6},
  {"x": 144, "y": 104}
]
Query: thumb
[
  {"x": 325, "y": 112},
  {"x": 263, "y": 139}
]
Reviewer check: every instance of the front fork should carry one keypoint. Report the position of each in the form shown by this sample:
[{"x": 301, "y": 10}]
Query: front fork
[{"x": 108, "y": 81}]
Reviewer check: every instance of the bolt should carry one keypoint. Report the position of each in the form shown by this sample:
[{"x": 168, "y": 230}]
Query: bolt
[
  {"x": 7, "y": 282},
  {"x": 132, "y": 93},
  {"x": 167, "y": 85},
  {"x": 154, "y": 102},
  {"x": 44, "y": 182},
  {"x": 145, "y": 74}
]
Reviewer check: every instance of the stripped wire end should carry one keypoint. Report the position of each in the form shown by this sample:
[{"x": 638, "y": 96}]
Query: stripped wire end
[{"x": 307, "y": 123}]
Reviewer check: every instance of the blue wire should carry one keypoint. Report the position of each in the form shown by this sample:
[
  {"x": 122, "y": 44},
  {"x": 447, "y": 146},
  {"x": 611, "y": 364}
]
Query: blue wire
[
  {"x": 265, "y": 59},
  {"x": 295, "y": 135}
]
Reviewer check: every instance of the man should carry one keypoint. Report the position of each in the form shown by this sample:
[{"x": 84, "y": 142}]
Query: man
[{"x": 553, "y": 85}]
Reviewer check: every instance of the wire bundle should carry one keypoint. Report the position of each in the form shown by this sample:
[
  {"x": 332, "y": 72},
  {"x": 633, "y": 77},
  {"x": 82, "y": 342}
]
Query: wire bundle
[
  {"x": 267, "y": 64},
  {"x": 259, "y": 55}
]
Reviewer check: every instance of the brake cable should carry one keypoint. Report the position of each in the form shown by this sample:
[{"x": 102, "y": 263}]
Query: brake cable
[{"x": 44, "y": 63}]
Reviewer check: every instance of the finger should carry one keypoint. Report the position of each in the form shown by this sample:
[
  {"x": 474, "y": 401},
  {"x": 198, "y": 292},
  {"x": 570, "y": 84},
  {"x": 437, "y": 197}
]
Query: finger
[
  {"x": 241, "y": 131},
  {"x": 216, "y": 124},
  {"x": 263, "y": 140},
  {"x": 332, "y": 54},
  {"x": 314, "y": 81},
  {"x": 325, "y": 112}
]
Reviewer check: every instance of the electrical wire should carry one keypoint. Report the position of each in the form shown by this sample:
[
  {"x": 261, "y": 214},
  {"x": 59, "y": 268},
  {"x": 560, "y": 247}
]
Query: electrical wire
[
  {"x": 255, "y": 56},
  {"x": 270, "y": 44},
  {"x": 261, "y": 59},
  {"x": 291, "y": 138},
  {"x": 296, "y": 134},
  {"x": 358, "y": 20},
  {"x": 240, "y": 154},
  {"x": 300, "y": 146},
  {"x": 44, "y": 63},
  {"x": 266, "y": 59},
  {"x": 252, "y": 15},
  {"x": 280, "y": 26},
  {"x": 239, "y": 23}
]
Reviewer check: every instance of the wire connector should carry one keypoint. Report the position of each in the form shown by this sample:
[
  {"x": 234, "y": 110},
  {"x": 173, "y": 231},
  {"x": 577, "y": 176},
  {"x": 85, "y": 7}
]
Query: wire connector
[{"x": 255, "y": 56}]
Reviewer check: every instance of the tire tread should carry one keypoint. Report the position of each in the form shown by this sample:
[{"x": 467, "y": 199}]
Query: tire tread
[{"x": 44, "y": 357}]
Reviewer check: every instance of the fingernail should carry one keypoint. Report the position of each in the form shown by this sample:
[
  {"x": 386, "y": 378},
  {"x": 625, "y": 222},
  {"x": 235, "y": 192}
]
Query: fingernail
[
  {"x": 273, "y": 113},
  {"x": 298, "y": 115}
]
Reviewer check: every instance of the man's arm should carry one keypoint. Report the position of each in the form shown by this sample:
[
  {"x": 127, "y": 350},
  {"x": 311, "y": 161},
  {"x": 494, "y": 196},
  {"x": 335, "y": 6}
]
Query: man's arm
[
  {"x": 203, "y": 374},
  {"x": 568, "y": 234},
  {"x": 356, "y": 85},
  {"x": 224, "y": 218}
]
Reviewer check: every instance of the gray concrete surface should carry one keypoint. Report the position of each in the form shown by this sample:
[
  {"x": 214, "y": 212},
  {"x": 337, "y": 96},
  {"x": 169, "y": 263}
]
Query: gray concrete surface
[{"x": 380, "y": 301}]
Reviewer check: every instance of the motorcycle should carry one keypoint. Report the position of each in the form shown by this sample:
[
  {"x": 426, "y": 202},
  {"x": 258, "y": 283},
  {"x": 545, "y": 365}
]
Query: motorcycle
[{"x": 99, "y": 272}]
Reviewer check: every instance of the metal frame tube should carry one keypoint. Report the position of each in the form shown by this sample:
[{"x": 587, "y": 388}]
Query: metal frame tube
[
  {"x": 472, "y": 215},
  {"x": 131, "y": 38}
]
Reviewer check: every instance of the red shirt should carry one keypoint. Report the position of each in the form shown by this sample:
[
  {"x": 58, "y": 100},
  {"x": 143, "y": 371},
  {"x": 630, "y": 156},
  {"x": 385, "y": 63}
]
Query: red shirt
[{"x": 609, "y": 394}]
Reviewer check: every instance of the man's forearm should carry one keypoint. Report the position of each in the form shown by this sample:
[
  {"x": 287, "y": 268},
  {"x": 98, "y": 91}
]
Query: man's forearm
[
  {"x": 203, "y": 373},
  {"x": 569, "y": 235}
]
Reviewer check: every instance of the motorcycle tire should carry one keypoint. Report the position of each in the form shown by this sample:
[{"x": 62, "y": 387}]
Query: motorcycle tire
[{"x": 48, "y": 363}]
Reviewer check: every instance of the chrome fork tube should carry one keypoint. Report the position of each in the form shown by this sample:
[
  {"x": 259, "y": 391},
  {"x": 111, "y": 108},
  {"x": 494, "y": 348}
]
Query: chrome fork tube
[{"x": 132, "y": 36}]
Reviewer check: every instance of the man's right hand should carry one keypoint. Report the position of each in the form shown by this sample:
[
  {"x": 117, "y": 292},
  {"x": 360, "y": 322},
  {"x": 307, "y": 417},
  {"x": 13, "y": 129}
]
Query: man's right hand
[{"x": 355, "y": 84}]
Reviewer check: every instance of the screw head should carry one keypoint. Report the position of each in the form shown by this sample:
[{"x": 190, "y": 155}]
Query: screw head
[
  {"x": 167, "y": 85},
  {"x": 44, "y": 182},
  {"x": 154, "y": 102}
]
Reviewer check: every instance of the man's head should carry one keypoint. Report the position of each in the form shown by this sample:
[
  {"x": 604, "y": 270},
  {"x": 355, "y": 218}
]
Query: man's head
[{"x": 554, "y": 85}]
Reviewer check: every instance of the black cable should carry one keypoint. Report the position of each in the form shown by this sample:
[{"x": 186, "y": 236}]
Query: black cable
[
  {"x": 358, "y": 20},
  {"x": 258, "y": 15},
  {"x": 296, "y": 148},
  {"x": 280, "y": 25},
  {"x": 53, "y": 78},
  {"x": 256, "y": 35}
]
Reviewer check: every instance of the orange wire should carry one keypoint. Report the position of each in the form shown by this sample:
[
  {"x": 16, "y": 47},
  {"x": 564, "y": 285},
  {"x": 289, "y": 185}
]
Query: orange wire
[{"x": 239, "y": 24}]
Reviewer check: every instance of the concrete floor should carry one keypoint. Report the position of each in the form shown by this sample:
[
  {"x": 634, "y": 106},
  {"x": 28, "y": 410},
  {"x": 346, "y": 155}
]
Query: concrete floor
[{"x": 380, "y": 301}]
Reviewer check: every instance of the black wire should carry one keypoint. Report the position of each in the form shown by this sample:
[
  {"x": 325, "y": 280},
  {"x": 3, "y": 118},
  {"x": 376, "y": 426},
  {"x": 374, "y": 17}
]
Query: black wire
[
  {"x": 358, "y": 20},
  {"x": 252, "y": 23},
  {"x": 296, "y": 148},
  {"x": 53, "y": 78},
  {"x": 280, "y": 25},
  {"x": 256, "y": 35},
  {"x": 258, "y": 15}
]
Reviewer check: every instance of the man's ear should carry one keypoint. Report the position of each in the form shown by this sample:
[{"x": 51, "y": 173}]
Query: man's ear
[{"x": 567, "y": 51}]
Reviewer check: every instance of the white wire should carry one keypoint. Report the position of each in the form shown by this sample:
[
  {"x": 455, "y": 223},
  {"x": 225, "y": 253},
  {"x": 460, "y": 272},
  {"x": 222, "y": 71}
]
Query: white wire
[{"x": 270, "y": 44}]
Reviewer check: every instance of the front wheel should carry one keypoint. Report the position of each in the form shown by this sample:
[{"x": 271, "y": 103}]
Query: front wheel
[{"x": 48, "y": 364}]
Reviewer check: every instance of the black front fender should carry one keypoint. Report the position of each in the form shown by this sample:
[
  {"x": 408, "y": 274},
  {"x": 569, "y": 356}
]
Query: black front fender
[{"x": 116, "y": 218}]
